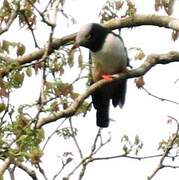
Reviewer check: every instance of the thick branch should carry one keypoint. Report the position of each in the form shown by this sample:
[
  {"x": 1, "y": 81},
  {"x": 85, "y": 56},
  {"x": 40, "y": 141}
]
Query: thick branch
[
  {"x": 150, "y": 61},
  {"x": 132, "y": 21},
  {"x": 138, "y": 20}
]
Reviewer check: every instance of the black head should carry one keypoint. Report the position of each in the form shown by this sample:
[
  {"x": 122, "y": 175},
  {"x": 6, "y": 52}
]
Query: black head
[{"x": 91, "y": 36}]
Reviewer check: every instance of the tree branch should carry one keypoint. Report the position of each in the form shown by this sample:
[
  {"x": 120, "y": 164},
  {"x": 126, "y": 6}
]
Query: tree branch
[
  {"x": 167, "y": 151},
  {"x": 150, "y": 61},
  {"x": 138, "y": 20},
  {"x": 29, "y": 171},
  {"x": 132, "y": 21}
]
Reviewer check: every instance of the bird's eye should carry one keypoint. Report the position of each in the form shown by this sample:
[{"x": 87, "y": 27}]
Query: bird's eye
[{"x": 88, "y": 37}]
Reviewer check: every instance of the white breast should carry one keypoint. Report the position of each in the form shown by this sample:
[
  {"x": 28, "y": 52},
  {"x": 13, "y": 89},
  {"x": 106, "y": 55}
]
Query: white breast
[{"x": 111, "y": 59}]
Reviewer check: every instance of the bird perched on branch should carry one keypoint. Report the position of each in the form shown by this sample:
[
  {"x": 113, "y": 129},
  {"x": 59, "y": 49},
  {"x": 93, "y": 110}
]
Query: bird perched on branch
[{"x": 109, "y": 56}]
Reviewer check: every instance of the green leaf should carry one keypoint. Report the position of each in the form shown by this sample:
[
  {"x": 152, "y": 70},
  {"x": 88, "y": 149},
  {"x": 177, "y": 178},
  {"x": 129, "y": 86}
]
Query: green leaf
[
  {"x": 1, "y": 178},
  {"x": 18, "y": 79},
  {"x": 54, "y": 106},
  {"x": 13, "y": 66},
  {"x": 2, "y": 107},
  {"x": 70, "y": 59},
  {"x": 28, "y": 12},
  {"x": 29, "y": 71},
  {"x": 20, "y": 49},
  {"x": 80, "y": 61},
  {"x": 67, "y": 132},
  {"x": 5, "y": 45},
  {"x": 83, "y": 108}
]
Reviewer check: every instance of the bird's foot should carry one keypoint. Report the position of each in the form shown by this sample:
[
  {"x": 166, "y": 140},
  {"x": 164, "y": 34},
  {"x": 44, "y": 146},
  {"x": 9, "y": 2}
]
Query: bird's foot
[
  {"x": 125, "y": 70},
  {"x": 107, "y": 77}
]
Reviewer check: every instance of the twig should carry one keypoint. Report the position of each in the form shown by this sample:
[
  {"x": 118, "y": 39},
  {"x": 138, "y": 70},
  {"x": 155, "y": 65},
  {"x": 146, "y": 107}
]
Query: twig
[
  {"x": 53, "y": 133},
  {"x": 42, "y": 172},
  {"x": 42, "y": 14},
  {"x": 157, "y": 97},
  {"x": 11, "y": 172},
  {"x": 165, "y": 154},
  {"x": 31, "y": 29},
  {"x": 29, "y": 171},
  {"x": 75, "y": 140},
  {"x": 44, "y": 59},
  {"x": 9, "y": 23}
]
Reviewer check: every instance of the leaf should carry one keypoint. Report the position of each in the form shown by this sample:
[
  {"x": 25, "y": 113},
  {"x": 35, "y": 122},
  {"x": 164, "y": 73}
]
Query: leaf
[
  {"x": 69, "y": 160},
  {"x": 3, "y": 92},
  {"x": 20, "y": 49},
  {"x": 28, "y": 12},
  {"x": 158, "y": 5},
  {"x": 5, "y": 46},
  {"x": 35, "y": 156},
  {"x": 74, "y": 95},
  {"x": 37, "y": 67},
  {"x": 40, "y": 135},
  {"x": 119, "y": 4},
  {"x": 70, "y": 59},
  {"x": 137, "y": 140},
  {"x": 54, "y": 106},
  {"x": 140, "y": 55},
  {"x": 83, "y": 108},
  {"x": 22, "y": 121},
  {"x": 29, "y": 71},
  {"x": 63, "y": 89},
  {"x": 175, "y": 35},
  {"x": 125, "y": 149},
  {"x": 18, "y": 79},
  {"x": 125, "y": 138},
  {"x": 80, "y": 61},
  {"x": 67, "y": 132},
  {"x": 2, "y": 107},
  {"x": 139, "y": 82}
]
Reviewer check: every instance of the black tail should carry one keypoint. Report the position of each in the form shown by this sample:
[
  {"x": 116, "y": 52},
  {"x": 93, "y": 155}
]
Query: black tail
[
  {"x": 102, "y": 116},
  {"x": 101, "y": 104},
  {"x": 119, "y": 94}
]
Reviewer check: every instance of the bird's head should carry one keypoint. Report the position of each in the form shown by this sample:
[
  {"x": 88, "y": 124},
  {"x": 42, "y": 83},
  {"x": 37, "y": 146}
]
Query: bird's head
[{"x": 91, "y": 36}]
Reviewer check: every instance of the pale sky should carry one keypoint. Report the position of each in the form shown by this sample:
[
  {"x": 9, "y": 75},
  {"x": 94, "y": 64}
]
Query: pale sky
[{"x": 142, "y": 114}]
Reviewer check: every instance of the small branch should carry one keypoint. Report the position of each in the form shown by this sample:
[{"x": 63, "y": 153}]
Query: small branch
[
  {"x": 42, "y": 172},
  {"x": 11, "y": 172},
  {"x": 134, "y": 21},
  {"x": 159, "y": 98},
  {"x": 42, "y": 14},
  {"x": 9, "y": 23},
  {"x": 44, "y": 59},
  {"x": 29, "y": 171},
  {"x": 31, "y": 29},
  {"x": 51, "y": 135},
  {"x": 75, "y": 140},
  {"x": 165, "y": 154}
]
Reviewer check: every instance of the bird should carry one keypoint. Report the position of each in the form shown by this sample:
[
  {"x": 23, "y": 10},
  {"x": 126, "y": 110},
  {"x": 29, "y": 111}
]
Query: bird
[{"x": 108, "y": 56}]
